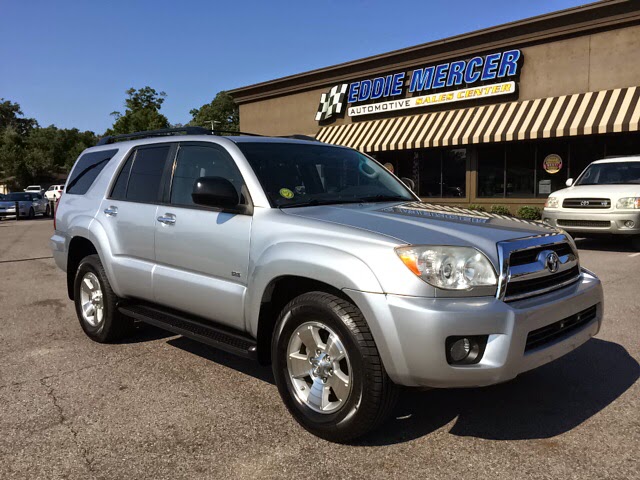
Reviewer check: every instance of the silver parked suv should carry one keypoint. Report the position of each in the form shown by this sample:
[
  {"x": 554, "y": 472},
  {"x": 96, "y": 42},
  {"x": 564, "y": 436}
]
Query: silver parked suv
[{"x": 315, "y": 258}]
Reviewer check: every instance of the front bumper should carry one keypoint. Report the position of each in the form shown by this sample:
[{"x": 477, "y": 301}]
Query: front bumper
[
  {"x": 587, "y": 221},
  {"x": 410, "y": 332},
  {"x": 11, "y": 213}
]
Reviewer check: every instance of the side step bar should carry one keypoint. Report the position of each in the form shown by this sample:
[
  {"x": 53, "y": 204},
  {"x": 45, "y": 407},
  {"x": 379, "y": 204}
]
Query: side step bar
[{"x": 200, "y": 330}]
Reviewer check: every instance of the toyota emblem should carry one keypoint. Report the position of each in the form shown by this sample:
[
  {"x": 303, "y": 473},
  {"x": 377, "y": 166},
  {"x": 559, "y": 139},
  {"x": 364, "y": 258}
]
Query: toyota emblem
[{"x": 552, "y": 262}]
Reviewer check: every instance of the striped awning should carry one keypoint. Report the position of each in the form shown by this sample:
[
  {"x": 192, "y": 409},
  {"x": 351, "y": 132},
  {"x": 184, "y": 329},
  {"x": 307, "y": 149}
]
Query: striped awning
[{"x": 606, "y": 111}]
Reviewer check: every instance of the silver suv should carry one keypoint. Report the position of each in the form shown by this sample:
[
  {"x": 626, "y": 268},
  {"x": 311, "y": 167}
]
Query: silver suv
[{"x": 317, "y": 259}]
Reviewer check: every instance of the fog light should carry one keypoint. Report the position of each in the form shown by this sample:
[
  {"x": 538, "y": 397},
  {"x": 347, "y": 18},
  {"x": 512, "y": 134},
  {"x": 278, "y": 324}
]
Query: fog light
[
  {"x": 460, "y": 349},
  {"x": 465, "y": 350},
  {"x": 546, "y": 221},
  {"x": 629, "y": 223}
]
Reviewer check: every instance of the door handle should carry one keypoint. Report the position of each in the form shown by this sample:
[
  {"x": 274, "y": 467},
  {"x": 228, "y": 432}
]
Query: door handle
[
  {"x": 111, "y": 211},
  {"x": 167, "y": 219}
]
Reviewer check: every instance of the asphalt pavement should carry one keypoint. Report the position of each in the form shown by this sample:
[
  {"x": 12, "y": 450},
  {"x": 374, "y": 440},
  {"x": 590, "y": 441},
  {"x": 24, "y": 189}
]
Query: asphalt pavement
[{"x": 162, "y": 406}]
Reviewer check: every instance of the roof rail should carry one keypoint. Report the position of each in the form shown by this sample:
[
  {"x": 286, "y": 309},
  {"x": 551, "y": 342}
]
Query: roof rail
[
  {"x": 297, "y": 136},
  {"x": 168, "y": 131}
]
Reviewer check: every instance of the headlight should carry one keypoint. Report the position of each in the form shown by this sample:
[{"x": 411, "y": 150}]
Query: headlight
[
  {"x": 450, "y": 268},
  {"x": 552, "y": 202},
  {"x": 628, "y": 202}
]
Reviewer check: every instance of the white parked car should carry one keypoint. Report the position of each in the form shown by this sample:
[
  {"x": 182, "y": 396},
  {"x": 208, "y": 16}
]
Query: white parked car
[
  {"x": 605, "y": 199},
  {"x": 34, "y": 189},
  {"x": 54, "y": 192}
]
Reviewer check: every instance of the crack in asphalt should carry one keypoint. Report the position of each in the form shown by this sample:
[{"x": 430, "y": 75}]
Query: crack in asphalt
[{"x": 63, "y": 420}]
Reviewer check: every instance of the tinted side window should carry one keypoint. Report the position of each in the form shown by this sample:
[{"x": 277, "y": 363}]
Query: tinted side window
[
  {"x": 119, "y": 191},
  {"x": 146, "y": 174},
  {"x": 87, "y": 170},
  {"x": 195, "y": 161}
]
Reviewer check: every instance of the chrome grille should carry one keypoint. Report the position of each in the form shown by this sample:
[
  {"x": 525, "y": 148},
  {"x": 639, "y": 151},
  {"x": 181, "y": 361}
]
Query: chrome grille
[
  {"x": 527, "y": 266},
  {"x": 586, "y": 203}
]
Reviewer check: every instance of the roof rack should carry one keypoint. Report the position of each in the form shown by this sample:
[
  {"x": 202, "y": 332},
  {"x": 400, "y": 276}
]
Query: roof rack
[
  {"x": 297, "y": 136},
  {"x": 168, "y": 131}
]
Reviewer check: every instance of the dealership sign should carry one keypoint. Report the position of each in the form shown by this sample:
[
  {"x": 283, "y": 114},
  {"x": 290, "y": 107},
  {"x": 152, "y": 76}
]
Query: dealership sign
[{"x": 478, "y": 77}]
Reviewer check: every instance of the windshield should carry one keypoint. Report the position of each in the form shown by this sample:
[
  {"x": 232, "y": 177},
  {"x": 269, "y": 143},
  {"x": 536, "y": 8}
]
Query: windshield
[
  {"x": 613, "y": 173},
  {"x": 298, "y": 174},
  {"x": 18, "y": 197}
]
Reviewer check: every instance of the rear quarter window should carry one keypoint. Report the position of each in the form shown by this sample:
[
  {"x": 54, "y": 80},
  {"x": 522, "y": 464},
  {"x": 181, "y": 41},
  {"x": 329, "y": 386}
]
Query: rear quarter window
[{"x": 87, "y": 169}]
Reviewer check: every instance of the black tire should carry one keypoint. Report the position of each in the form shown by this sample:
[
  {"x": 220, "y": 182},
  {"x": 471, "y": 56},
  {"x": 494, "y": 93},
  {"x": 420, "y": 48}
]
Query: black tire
[
  {"x": 635, "y": 242},
  {"x": 32, "y": 213},
  {"x": 372, "y": 394},
  {"x": 114, "y": 325}
]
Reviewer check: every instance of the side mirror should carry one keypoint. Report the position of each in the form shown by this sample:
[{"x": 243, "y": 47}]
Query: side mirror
[
  {"x": 569, "y": 182},
  {"x": 215, "y": 192},
  {"x": 409, "y": 183}
]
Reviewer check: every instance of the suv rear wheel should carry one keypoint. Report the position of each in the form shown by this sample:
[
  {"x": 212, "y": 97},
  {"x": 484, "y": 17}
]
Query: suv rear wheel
[
  {"x": 96, "y": 303},
  {"x": 327, "y": 368}
]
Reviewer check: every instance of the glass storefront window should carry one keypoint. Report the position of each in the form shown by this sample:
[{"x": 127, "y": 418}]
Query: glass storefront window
[
  {"x": 454, "y": 172},
  {"x": 583, "y": 152},
  {"x": 491, "y": 166},
  {"x": 443, "y": 173},
  {"x": 430, "y": 173},
  {"x": 622, "y": 144},
  {"x": 521, "y": 162}
]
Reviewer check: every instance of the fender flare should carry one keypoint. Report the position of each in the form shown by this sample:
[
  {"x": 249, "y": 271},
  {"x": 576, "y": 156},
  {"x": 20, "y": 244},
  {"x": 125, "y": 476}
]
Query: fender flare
[
  {"x": 87, "y": 227},
  {"x": 309, "y": 261}
]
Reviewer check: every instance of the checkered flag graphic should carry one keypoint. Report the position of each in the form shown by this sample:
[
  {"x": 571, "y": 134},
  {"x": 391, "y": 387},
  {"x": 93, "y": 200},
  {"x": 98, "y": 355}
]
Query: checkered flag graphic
[{"x": 331, "y": 103}]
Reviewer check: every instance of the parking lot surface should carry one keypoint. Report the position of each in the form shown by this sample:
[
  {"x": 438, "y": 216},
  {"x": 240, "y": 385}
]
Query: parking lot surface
[{"x": 161, "y": 406}]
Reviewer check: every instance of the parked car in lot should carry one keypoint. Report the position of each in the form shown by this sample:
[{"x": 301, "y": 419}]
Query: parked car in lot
[
  {"x": 30, "y": 205},
  {"x": 34, "y": 189},
  {"x": 317, "y": 259},
  {"x": 54, "y": 192},
  {"x": 605, "y": 199}
]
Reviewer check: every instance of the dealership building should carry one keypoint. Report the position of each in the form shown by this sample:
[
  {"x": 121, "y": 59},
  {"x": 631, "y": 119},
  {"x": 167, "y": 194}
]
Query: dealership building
[{"x": 503, "y": 115}]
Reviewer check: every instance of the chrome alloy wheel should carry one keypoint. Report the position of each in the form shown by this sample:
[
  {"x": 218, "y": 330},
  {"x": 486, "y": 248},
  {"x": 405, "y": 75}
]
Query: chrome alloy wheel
[
  {"x": 91, "y": 300},
  {"x": 318, "y": 366}
]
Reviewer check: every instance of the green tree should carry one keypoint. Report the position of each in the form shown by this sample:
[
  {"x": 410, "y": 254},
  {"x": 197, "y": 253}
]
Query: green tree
[
  {"x": 10, "y": 114},
  {"x": 142, "y": 112},
  {"x": 222, "y": 111}
]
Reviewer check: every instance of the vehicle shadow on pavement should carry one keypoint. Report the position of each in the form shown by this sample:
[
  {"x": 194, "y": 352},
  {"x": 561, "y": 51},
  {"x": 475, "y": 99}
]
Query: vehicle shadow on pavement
[
  {"x": 146, "y": 333},
  {"x": 606, "y": 244},
  {"x": 242, "y": 365},
  {"x": 539, "y": 404}
]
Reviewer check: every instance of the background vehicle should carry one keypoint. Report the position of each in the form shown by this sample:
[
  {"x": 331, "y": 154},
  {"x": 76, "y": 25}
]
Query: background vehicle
[
  {"x": 54, "y": 192},
  {"x": 605, "y": 199},
  {"x": 34, "y": 189},
  {"x": 30, "y": 204},
  {"x": 317, "y": 259}
]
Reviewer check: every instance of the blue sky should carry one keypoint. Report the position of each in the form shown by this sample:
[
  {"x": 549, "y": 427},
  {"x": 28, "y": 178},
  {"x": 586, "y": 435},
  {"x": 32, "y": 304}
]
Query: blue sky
[{"x": 69, "y": 63}]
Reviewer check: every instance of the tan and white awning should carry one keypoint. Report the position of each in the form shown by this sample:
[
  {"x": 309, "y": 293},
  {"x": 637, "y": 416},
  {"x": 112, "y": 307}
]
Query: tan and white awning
[{"x": 606, "y": 111}]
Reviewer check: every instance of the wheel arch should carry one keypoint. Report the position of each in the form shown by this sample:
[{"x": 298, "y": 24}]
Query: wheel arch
[
  {"x": 280, "y": 291},
  {"x": 79, "y": 248}
]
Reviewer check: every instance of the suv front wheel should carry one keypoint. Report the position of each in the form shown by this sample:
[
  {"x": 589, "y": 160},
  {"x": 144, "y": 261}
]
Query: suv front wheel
[
  {"x": 96, "y": 303},
  {"x": 327, "y": 368}
]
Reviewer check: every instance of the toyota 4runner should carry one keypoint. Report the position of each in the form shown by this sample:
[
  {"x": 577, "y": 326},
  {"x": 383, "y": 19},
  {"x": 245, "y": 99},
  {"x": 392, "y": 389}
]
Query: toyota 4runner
[{"x": 318, "y": 260}]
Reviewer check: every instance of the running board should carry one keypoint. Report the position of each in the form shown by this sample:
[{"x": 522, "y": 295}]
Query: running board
[{"x": 200, "y": 330}]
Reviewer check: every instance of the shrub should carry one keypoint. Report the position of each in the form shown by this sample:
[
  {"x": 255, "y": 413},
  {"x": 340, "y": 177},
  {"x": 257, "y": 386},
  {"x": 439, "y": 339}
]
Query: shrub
[
  {"x": 500, "y": 210},
  {"x": 476, "y": 207},
  {"x": 529, "y": 213}
]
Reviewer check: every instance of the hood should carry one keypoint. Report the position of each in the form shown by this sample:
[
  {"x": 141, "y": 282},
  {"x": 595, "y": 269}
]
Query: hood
[
  {"x": 423, "y": 223},
  {"x": 614, "y": 192}
]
